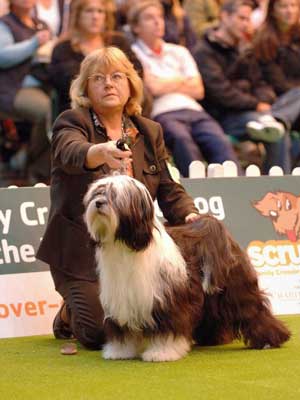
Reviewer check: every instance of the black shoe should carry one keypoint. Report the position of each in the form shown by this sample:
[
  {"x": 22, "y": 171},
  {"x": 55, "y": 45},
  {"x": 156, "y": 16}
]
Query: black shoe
[{"x": 61, "y": 329}]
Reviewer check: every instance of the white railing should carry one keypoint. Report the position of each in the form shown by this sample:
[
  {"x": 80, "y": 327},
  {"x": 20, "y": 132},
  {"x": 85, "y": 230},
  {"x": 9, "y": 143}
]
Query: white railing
[{"x": 198, "y": 169}]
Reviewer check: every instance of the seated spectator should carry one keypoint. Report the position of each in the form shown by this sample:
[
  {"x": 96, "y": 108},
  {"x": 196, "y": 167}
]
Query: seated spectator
[
  {"x": 277, "y": 45},
  {"x": 203, "y": 14},
  {"x": 242, "y": 104},
  {"x": 90, "y": 27},
  {"x": 21, "y": 93},
  {"x": 178, "y": 27},
  {"x": 55, "y": 13},
  {"x": 173, "y": 79}
]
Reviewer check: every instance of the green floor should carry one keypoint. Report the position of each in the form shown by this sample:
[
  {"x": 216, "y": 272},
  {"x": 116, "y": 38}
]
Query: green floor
[{"x": 32, "y": 368}]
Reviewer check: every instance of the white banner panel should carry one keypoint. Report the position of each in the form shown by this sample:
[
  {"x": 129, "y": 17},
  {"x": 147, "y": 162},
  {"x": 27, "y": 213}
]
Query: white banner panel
[
  {"x": 28, "y": 304},
  {"x": 277, "y": 263}
]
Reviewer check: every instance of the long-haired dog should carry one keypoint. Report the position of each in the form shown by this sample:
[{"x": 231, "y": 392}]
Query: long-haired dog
[{"x": 162, "y": 290}]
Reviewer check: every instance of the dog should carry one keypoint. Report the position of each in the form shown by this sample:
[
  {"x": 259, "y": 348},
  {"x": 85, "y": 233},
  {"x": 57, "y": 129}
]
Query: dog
[
  {"x": 283, "y": 208},
  {"x": 163, "y": 290}
]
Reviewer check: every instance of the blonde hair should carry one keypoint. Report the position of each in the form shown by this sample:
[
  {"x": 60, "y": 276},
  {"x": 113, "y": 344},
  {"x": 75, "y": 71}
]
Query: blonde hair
[
  {"x": 76, "y": 7},
  {"x": 103, "y": 60}
]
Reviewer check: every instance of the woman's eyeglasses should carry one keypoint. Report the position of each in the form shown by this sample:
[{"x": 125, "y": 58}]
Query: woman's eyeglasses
[{"x": 116, "y": 78}]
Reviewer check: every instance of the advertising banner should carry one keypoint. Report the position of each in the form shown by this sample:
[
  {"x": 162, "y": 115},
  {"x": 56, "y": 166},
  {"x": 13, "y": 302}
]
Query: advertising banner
[{"x": 263, "y": 215}]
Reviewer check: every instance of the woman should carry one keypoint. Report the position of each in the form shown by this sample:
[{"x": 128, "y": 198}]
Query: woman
[
  {"x": 21, "y": 37},
  {"x": 178, "y": 27},
  {"x": 106, "y": 107},
  {"x": 277, "y": 45},
  {"x": 90, "y": 28},
  {"x": 55, "y": 13}
]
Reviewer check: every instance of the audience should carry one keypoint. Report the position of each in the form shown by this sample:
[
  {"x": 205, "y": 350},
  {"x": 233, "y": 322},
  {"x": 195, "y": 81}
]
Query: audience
[
  {"x": 21, "y": 91},
  {"x": 251, "y": 85},
  {"x": 172, "y": 77},
  {"x": 243, "y": 109}
]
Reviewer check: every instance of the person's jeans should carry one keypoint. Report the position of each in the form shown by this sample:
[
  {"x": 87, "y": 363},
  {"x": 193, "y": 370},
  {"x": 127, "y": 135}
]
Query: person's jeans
[
  {"x": 189, "y": 134},
  {"x": 287, "y": 108}
]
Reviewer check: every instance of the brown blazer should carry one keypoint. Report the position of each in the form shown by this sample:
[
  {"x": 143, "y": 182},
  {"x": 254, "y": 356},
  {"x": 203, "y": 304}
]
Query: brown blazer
[{"x": 66, "y": 245}]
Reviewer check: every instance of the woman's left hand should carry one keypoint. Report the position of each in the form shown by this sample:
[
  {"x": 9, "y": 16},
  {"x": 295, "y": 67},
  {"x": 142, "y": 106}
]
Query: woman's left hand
[{"x": 191, "y": 218}]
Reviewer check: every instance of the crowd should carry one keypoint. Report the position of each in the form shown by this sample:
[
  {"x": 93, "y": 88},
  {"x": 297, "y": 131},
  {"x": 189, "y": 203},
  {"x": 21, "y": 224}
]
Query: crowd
[{"x": 219, "y": 76}]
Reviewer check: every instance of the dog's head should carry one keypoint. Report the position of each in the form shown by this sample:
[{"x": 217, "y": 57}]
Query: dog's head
[
  {"x": 283, "y": 210},
  {"x": 119, "y": 208}
]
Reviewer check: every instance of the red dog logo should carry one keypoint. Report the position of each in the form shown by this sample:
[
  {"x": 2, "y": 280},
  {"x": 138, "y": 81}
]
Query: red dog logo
[{"x": 283, "y": 208}]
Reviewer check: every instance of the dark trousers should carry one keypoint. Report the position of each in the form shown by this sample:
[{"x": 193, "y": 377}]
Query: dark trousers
[
  {"x": 83, "y": 308},
  {"x": 193, "y": 135}
]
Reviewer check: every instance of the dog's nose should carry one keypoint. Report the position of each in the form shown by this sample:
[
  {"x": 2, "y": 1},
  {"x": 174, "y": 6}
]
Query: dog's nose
[{"x": 99, "y": 203}]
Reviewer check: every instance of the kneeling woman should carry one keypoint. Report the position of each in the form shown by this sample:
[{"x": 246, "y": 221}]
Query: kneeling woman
[{"x": 106, "y": 99}]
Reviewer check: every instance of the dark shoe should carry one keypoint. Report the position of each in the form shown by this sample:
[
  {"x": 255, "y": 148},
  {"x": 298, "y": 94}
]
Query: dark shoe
[{"x": 61, "y": 329}]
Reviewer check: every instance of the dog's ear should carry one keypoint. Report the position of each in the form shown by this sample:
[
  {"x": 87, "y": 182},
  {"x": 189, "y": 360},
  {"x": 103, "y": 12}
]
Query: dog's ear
[
  {"x": 264, "y": 205},
  {"x": 136, "y": 221}
]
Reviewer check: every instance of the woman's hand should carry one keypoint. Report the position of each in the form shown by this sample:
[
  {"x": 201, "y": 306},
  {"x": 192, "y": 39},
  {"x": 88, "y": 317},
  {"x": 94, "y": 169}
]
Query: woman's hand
[
  {"x": 106, "y": 153},
  {"x": 191, "y": 218}
]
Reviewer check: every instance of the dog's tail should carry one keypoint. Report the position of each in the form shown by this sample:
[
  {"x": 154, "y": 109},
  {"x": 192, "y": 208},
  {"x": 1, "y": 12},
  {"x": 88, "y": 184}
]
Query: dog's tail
[{"x": 235, "y": 299}]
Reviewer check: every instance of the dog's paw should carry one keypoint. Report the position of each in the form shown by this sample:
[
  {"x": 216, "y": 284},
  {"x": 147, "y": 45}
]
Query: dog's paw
[
  {"x": 166, "y": 349},
  {"x": 152, "y": 355},
  {"x": 119, "y": 351}
]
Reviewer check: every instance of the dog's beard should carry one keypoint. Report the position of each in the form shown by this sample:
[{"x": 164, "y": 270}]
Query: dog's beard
[{"x": 101, "y": 225}]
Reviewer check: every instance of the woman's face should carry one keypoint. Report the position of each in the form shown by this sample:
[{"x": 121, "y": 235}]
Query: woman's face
[
  {"x": 108, "y": 91},
  {"x": 286, "y": 13},
  {"x": 92, "y": 17}
]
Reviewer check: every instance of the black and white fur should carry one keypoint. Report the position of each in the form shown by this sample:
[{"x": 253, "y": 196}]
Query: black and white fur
[{"x": 157, "y": 295}]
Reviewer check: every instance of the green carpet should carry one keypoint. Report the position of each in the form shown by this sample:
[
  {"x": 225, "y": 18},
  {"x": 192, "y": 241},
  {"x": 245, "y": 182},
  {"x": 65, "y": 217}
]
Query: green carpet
[{"x": 33, "y": 368}]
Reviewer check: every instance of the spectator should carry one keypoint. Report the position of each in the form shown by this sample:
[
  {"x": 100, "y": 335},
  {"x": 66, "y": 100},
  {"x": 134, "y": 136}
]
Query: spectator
[
  {"x": 241, "y": 105},
  {"x": 178, "y": 27},
  {"x": 55, "y": 13},
  {"x": 277, "y": 45},
  {"x": 20, "y": 38},
  {"x": 203, "y": 14},
  {"x": 173, "y": 79},
  {"x": 91, "y": 27}
]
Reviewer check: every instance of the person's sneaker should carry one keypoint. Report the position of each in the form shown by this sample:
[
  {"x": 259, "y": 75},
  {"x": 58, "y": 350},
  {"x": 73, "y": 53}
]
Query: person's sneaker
[
  {"x": 265, "y": 129},
  {"x": 61, "y": 329}
]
